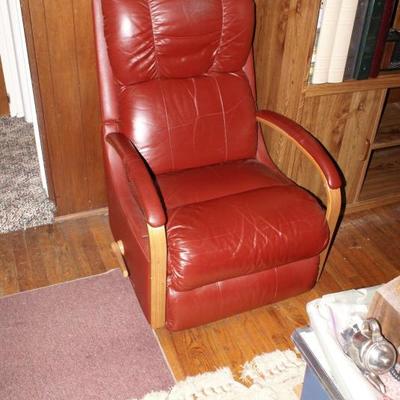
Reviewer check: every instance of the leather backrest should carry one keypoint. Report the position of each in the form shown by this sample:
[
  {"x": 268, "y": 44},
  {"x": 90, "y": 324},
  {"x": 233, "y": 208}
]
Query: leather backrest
[{"x": 177, "y": 67}]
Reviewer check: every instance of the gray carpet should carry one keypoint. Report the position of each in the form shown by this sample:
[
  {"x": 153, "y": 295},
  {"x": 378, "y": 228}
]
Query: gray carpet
[
  {"x": 23, "y": 201},
  {"x": 82, "y": 340}
]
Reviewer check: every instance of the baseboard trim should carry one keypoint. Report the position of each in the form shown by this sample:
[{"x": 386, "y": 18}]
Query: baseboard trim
[{"x": 82, "y": 214}]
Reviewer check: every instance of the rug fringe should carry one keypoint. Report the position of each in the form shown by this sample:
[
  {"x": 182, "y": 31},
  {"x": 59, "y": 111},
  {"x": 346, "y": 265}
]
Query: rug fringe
[{"x": 271, "y": 376}]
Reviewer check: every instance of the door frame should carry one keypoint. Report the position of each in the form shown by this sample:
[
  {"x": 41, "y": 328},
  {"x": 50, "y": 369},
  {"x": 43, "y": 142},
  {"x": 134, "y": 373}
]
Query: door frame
[{"x": 19, "y": 70}]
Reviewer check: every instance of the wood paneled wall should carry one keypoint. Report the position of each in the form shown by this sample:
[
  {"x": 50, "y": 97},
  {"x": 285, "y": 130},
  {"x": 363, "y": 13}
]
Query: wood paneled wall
[
  {"x": 61, "y": 49},
  {"x": 285, "y": 31},
  {"x": 282, "y": 48},
  {"x": 345, "y": 124},
  {"x": 343, "y": 117}
]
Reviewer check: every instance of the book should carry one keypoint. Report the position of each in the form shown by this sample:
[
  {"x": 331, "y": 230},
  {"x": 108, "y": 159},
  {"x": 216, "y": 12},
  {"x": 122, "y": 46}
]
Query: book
[
  {"x": 314, "y": 52},
  {"x": 331, "y": 9},
  {"x": 369, "y": 38},
  {"x": 355, "y": 40},
  {"x": 391, "y": 53},
  {"x": 382, "y": 36},
  {"x": 387, "y": 55},
  {"x": 341, "y": 42}
]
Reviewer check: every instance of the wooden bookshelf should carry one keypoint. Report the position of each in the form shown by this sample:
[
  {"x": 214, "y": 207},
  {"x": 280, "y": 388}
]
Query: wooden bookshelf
[
  {"x": 383, "y": 175},
  {"x": 358, "y": 121},
  {"x": 383, "y": 81},
  {"x": 388, "y": 134}
]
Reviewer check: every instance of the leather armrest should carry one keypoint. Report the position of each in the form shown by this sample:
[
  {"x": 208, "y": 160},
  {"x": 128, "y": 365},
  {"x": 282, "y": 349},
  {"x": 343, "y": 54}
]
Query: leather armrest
[
  {"x": 140, "y": 180},
  {"x": 308, "y": 144}
]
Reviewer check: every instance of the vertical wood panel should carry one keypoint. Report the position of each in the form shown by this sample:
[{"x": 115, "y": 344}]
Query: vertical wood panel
[
  {"x": 345, "y": 125},
  {"x": 90, "y": 110},
  {"x": 282, "y": 48},
  {"x": 4, "y": 108},
  {"x": 63, "y": 48},
  {"x": 66, "y": 143}
]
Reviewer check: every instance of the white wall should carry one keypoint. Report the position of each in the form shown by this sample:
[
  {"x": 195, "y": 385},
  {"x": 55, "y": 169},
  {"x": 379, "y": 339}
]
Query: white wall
[{"x": 14, "y": 58}]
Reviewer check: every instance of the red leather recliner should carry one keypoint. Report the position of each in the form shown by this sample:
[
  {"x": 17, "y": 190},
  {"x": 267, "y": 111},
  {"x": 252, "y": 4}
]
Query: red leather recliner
[{"x": 209, "y": 226}]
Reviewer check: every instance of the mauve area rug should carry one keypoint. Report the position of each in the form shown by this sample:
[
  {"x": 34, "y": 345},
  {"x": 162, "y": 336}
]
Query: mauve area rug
[{"x": 85, "y": 339}]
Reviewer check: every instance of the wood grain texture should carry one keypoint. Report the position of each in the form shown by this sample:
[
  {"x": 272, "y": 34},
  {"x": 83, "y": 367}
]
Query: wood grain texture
[
  {"x": 56, "y": 253},
  {"x": 362, "y": 255},
  {"x": 4, "y": 108},
  {"x": 158, "y": 274},
  {"x": 370, "y": 204},
  {"x": 388, "y": 133},
  {"x": 393, "y": 95},
  {"x": 333, "y": 209},
  {"x": 383, "y": 176},
  {"x": 345, "y": 124},
  {"x": 385, "y": 307},
  {"x": 116, "y": 248},
  {"x": 343, "y": 116},
  {"x": 61, "y": 48},
  {"x": 384, "y": 81},
  {"x": 89, "y": 101},
  {"x": 332, "y": 197},
  {"x": 283, "y": 42}
]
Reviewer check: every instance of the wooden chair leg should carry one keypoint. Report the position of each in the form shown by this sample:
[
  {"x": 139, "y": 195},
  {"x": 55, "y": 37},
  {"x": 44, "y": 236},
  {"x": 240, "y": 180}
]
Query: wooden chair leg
[
  {"x": 118, "y": 249},
  {"x": 334, "y": 202},
  {"x": 158, "y": 272},
  {"x": 158, "y": 257}
]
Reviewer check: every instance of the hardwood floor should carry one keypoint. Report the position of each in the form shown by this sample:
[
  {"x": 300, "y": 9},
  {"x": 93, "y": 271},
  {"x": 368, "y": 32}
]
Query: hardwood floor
[
  {"x": 55, "y": 253},
  {"x": 366, "y": 252}
]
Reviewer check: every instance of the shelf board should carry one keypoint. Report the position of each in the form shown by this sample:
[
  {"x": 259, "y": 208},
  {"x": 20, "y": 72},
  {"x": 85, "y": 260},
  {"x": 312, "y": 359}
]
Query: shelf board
[
  {"x": 383, "y": 81},
  {"x": 383, "y": 176},
  {"x": 384, "y": 140},
  {"x": 388, "y": 134},
  {"x": 368, "y": 204}
]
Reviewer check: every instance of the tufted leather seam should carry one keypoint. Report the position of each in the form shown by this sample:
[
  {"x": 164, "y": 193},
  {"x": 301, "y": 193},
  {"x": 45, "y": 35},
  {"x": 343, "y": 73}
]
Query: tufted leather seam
[
  {"x": 276, "y": 281},
  {"x": 197, "y": 112},
  {"x": 233, "y": 194},
  {"x": 223, "y": 116},
  {"x": 168, "y": 125},
  {"x": 222, "y": 33},
  {"x": 154, "y": 38}
]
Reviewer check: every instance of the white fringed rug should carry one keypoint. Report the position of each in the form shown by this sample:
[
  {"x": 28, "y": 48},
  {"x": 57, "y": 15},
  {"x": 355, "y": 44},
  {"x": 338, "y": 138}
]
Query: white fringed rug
[{"x": 271, "y": 376}]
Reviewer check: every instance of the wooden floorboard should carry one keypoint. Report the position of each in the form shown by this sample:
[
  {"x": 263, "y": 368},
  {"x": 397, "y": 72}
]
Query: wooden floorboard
[
  {"x": 56, "y": 253},
  {"x": 366, "y": 252}
]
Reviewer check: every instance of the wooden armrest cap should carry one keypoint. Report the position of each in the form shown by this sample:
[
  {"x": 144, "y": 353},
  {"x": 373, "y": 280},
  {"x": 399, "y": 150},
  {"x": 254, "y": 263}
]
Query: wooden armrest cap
[
  {"x": 306, "y": 141},
  {"x": 141, "y": 182}
]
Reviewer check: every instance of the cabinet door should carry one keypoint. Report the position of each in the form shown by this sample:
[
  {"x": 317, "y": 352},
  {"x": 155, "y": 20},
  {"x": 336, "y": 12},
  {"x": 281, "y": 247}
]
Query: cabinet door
[{"x": 345, "y": 124}]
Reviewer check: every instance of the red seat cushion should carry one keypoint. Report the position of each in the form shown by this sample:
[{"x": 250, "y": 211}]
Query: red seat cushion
[
  {"x": 211, "y": 182},
  {"x": 235, "y": 219}
]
